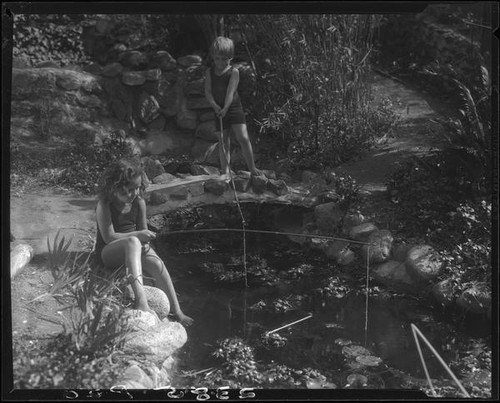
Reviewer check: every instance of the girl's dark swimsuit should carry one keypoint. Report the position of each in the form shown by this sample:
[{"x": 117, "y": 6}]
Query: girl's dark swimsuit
[
  {"x": 235, "y": 114},
  {"x": 122, "y": 222}
]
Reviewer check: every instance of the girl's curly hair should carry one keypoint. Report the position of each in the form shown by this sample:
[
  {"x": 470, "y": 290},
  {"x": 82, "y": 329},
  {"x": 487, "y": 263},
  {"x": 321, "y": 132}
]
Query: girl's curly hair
[{"x": 118, "y": 175}]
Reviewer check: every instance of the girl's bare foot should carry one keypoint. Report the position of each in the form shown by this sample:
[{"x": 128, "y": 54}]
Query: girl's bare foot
[
  {"x": 256, "y": 172},
  {"x": 184, "y": 319}
]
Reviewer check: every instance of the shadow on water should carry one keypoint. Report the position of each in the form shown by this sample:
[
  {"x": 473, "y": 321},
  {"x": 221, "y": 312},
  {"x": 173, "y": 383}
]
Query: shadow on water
[{"x": 222, "y": 310}]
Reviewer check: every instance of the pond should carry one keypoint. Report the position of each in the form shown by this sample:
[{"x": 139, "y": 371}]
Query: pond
[{"x": 336, "y": 332}]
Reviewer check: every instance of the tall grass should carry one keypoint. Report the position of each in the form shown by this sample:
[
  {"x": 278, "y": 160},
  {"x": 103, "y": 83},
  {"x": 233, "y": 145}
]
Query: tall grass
[
  {"x": 313, "y": 87},
  {"x": 91, "y": 305}
]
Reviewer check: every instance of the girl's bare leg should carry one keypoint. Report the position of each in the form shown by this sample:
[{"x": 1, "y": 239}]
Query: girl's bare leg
[
  {"x": 127, "y": 251},
  {"x": 224, "y": 151},
  {"x": 241, "y": 133},
  {"x": 153, "y": 264}
]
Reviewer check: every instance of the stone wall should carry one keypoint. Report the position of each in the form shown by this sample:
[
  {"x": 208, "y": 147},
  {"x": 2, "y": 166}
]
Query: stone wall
[
  {"x": 156, "y": 101},
  {"x": 423, "y": 40}
]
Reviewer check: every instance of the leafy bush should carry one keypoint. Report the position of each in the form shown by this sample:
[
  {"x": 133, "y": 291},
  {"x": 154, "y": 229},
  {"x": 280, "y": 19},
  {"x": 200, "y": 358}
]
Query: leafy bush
[
  {"x": 52, "y": 37},
  {"x": 83, "y": 164}
]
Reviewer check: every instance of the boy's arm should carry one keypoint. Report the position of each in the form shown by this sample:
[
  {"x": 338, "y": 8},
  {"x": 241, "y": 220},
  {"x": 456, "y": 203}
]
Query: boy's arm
[
  {"x": 208, "y": 91},
  {"x": 231, "y": 88}
]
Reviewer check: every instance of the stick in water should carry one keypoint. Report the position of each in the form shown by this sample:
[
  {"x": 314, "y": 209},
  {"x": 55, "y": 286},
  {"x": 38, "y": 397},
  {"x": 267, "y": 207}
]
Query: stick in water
[{"x": 290, "y": 324}]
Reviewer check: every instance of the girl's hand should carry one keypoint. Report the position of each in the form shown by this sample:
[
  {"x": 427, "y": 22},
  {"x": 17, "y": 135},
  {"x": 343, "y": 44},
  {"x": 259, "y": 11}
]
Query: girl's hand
[
  {"x": 146, "y": 235},
  {"x": 217, "y": 109}
]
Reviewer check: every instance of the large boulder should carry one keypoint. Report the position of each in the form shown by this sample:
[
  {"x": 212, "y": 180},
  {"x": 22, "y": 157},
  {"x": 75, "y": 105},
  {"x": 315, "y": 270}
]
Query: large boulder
[
  {"x": 328, "y": 216},
  {"x": 156, "y": 341},
  {"x": 395, "y": 275},
  {"x": 444, "y": 292},
  {"x": 424, "y": 262},
  {"x": 380, "y": 246}
]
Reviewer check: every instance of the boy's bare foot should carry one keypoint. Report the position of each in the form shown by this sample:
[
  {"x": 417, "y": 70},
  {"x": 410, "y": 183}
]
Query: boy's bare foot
[{"x": 256, "y": 172}]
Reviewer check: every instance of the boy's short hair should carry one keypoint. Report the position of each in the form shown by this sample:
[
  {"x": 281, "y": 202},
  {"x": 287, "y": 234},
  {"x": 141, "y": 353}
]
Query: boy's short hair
[{"x": 223, "y": 46}]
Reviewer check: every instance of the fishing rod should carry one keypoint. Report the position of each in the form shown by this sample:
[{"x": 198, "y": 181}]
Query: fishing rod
[{"x": 201, "y": 230}]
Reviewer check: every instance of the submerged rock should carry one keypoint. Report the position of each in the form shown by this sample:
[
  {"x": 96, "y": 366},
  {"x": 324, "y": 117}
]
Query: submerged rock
[{"x": 424, "y": 262}]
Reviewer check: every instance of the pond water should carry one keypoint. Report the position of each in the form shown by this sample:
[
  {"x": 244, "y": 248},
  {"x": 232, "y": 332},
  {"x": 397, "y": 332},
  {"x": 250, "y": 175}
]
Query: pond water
[{"x": 288, "y": 282}]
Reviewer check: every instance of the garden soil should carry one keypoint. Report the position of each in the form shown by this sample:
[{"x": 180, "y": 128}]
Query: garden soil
[{"x": 36, "y": 216}]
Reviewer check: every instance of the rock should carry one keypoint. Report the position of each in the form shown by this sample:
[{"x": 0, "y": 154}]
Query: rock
[
  {"x": 196, "y": 88},
  {"x": 138, "y": 320},
  {"x": 133, "y": 58},
  {"x": 215, "y": 186},
  {"x": 152, "y": 167},
  {"x": 133, "y": 78},
  {"x": 112, "y": 70},
  {"x": 157, "y": 198},
  {"x": 444, "y": 292},
  {"x": 400, "y": 251},
  {"x": 179, "y": 193},
  {"x": 259, "y": 184},
  {"x": 278, "y": 187},
  {"x": 149, "y": 109},
  {"x": 194, "y": 73},
  {"x": 308, "y": 176},
  {"x": 164, "y": 178},
  {"x": 158, "y": 124},
  {"x": 270, "y": 174},
  {"x": 205, "y": 151},
  {"x": 476, "y": 299},
  {"x": 424, "y": 262},
  {"x": 240, "y": 183},
  {"x": 152, "y": 75},
  {"x": 68, "y": 81},
  {"x": 206, "y": 131},
  {"x": 198, "y": 170},
  {"x": 335, "y": 248},
  {"x": 21, "y": 62},
  {"x": 346, "y": 257},
  {"x": 394, "y": 274},
  {"x": 189, "y": 60},
  {"x": 170, "y": 98},
  {"x": 163, "y": 60},
  {"x": 135, "y": 378},
  {"x": 187, "y": 120},
  {"x": 158, "y": 301},
  {"x": 362, "y": 232},
  {"x": 351, "y": 220},
  {"x": 197, "y": 102},
  {"x": 20, "y": 255},
  {"x": 206, "y": 116},
  {"x": 48, "y": 64},
  {"x": 380, "y": 249},
  {"x": 328, "y": 216},
  {"x": 157, "y": 342}
]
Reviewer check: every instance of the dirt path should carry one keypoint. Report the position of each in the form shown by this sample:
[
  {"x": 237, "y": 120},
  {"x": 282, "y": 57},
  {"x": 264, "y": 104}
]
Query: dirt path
[{"x": 36, "y": 216}]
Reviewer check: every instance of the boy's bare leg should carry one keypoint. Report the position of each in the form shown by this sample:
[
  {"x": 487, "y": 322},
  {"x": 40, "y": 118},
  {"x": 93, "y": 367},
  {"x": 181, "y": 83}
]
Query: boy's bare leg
[
  {"x": 224, "y": 151},
  {"x": 241, "y": 133}
]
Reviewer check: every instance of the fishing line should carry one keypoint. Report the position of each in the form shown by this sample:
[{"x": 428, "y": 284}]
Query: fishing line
[{"x": 236, "y": 198}]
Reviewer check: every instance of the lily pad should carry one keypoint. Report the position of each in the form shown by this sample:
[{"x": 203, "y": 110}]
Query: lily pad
[
  {"x": 354, "y": 351},
  {"x": 318, "y": 384},
  {"x": 369, "y": 360},
  {"x": 357, "y": 380},
  {"x": 343, "y": 342}
]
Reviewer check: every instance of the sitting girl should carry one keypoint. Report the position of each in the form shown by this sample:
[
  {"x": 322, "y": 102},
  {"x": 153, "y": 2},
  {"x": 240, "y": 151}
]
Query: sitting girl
[{"x": 123, "y": 237}]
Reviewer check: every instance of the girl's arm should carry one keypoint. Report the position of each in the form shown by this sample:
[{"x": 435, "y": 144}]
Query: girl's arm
[
  {"x": 208, "y": 92},
  {"x": 231, "y": 88},
  {"x": 107, "y": 228},
  {"x": 142, "y": 222}
]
